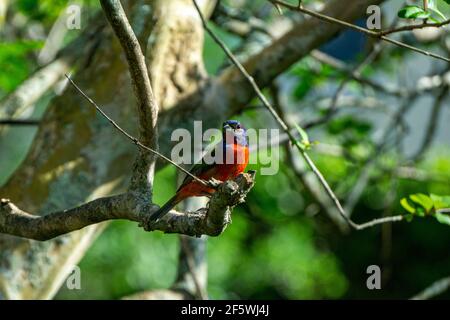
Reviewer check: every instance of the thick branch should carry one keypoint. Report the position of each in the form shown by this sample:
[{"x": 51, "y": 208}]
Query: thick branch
[
  {"x": 17, "y": 222},
  {"x": 147, "y": 106},
  {"x": 211, "y": 221}
]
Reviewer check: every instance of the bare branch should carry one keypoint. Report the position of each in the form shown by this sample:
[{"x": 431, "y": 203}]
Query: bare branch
[
  {"x": 147, "y": 106},
  {"x": 19, "y": 122},
  {"x": 375, "y": 222},
  {"x": 371, "y": 33},
  {"x": 146, "y": 102},
  {"x": 414, "y": 27},
  {"x": 211, "y": 221},
  {"x": 19, "y": 223}
]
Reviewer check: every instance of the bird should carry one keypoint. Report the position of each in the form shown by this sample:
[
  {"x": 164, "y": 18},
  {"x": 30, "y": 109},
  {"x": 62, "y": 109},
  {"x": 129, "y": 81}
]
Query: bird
[{"x": 233, "y": 161}]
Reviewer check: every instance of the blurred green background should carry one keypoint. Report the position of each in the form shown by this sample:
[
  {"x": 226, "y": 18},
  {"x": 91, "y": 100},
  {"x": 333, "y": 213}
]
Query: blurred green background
[{"x": 279, "y": 245}]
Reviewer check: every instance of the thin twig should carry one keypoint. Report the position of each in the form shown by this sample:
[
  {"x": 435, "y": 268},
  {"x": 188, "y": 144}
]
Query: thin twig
[
  {"x": 133, "y": 139},
  {"x": 378, "y": 221},
  {"x": 147, "y": 106},
  {"x": 371, "y": 33},
  {"x": 414, "y": 27},
  {"x": 19, "y": 122},
  {"x": 284, "y": 126}
]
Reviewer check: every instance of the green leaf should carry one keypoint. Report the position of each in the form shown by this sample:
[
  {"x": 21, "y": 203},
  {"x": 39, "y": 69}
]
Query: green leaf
[
  {"x": 356, "y": 127},
  {"x": 409, "y": 217},
  {"x": 302, "y": 133},
  {"x": 413, "y": 12},
  {"x": 420, "y": 212},
  {"x": 405, "y": 204},
  {"x": 446, "y": 1},
  {"x": 440, "y": 202},
  {"x": 305, "y": 144},
  {"x": 423, "y": 200},
  {"x": 15, "y": 64},
  {"x": 432, "y": 5},
  {"x": 442, "y": 218}
]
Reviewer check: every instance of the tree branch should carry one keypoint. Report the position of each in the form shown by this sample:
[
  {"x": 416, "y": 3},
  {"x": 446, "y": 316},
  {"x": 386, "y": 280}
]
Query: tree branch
[
  {"x": 414, "y": 27},
  {"x": 19, "y": 122},
  {"x": 371, "y": 33},
  {"x": 146, "y": 103},
  {"x": 17, "y": 222},
  {"x": 210, "y": 221}
]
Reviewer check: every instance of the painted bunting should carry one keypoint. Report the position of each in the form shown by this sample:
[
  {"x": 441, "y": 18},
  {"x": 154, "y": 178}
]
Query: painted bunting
[{"x": 229, "y": 164}]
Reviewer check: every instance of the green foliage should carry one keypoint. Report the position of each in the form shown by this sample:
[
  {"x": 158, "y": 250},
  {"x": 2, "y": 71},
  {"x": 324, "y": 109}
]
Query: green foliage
[
  {"x": 416, "y": 12},
  {"x": 14, "y": 62},
  {"x": 308, "y": 80},
  {"x": 351, "y": 132},
  {"x": 304, "y": 143},
  {"x": 422, "y": 205},
  {"x": 413, "y": 12},
  {"x": 45, "y": 11}
]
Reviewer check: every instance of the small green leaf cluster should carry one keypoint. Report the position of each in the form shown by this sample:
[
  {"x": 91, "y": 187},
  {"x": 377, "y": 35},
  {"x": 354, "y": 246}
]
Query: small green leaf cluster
[
  {"x": 431, "y": 13},
  {"x": 422, "y": 205}
]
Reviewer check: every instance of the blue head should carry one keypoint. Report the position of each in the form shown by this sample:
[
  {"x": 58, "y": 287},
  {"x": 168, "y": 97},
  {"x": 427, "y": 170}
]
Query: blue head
[{"x": 234, "y": 132}]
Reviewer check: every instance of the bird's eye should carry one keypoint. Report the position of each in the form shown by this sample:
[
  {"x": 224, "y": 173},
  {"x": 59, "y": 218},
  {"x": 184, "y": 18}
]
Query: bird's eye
[{"x": 238, "y": 126}]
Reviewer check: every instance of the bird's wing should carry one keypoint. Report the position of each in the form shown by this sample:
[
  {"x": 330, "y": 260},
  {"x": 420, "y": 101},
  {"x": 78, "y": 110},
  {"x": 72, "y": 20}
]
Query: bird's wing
[{"x": 199, "y": 169}]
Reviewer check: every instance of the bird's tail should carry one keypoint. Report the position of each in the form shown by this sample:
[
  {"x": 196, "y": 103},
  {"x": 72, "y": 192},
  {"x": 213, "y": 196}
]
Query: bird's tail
[{"x": 166, "y": 208}]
